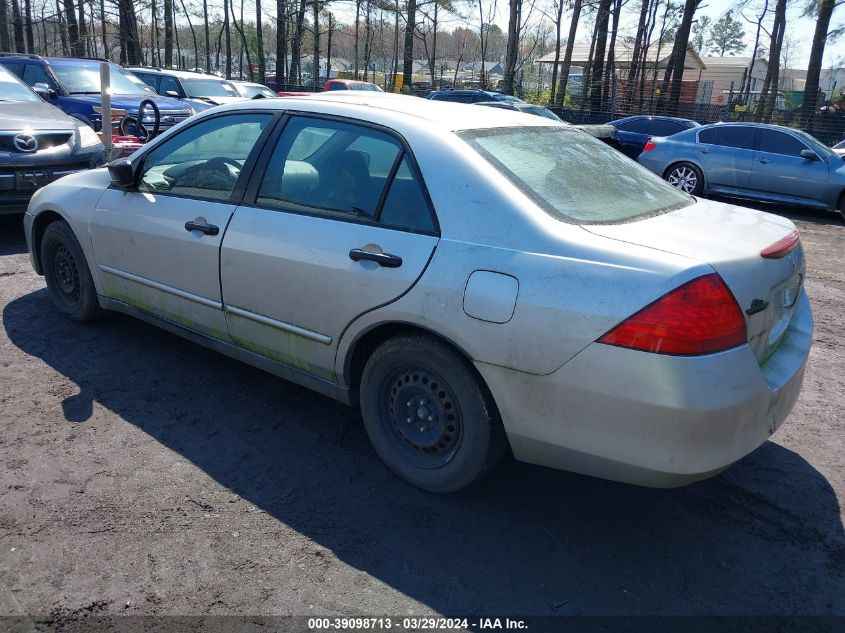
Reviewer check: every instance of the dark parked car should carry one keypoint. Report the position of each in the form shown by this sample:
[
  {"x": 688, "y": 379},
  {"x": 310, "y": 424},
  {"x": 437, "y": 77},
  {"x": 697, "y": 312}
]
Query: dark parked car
[
  {"x": 751, "y": 160},
  {"x": 73, "y": 85},
  {"x": 633, "y": 132},
  {"x": 471, "y": 96},
  {"x": 38, "y": 144}
]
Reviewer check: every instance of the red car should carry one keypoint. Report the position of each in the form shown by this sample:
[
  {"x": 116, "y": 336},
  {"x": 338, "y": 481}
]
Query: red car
[{"x": 350, "y": 84}]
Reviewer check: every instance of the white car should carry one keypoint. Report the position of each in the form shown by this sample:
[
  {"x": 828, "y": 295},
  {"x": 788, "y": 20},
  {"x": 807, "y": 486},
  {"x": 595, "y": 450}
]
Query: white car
[{"x": 472, "y": 278}]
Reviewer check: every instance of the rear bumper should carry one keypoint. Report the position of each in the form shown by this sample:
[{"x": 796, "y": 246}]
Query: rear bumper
[{"x": 651, "y": 419}]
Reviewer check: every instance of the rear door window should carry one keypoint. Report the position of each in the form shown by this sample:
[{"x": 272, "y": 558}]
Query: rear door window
[
  {"x": 149, "y": 79},
  {"x": 344, "y": 174},
  {"x": 728, "y": 136},
  {"x": 638, "y": 126}
]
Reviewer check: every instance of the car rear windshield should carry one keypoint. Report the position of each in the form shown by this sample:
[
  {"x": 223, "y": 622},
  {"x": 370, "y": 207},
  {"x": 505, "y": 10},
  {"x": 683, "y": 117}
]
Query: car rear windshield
[{"x": 573, "y": 176}]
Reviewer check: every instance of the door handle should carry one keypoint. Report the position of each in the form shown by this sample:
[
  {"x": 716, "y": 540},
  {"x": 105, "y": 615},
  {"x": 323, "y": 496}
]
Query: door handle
[
  {"x": 382, "y": 259},
  {"x": 765, "y": 161},
  {"x": 705, "y": 151},
  {"x": 208, "y": 229}
]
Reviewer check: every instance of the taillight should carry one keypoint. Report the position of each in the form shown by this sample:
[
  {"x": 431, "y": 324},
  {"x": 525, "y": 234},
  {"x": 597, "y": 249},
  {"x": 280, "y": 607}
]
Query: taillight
[
  {"x": 649, "y": 145},
  {"x": 782, "y": 247},
  {"x": 699, "y": 317}
]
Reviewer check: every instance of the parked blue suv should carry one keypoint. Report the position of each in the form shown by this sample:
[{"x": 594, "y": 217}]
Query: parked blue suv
[{"x": 73, "y": 85}]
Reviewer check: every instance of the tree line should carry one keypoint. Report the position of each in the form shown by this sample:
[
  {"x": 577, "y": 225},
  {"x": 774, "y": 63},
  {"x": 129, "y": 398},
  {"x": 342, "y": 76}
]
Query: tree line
[{"x": 394, "y": 34}]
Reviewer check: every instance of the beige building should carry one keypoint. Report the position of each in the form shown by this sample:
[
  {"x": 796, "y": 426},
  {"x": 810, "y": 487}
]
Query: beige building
[{"x": 720, "y": 73}]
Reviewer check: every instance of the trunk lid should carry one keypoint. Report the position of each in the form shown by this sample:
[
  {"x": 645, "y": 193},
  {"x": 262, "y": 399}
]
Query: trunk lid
[{"x": 730, "y": 239}]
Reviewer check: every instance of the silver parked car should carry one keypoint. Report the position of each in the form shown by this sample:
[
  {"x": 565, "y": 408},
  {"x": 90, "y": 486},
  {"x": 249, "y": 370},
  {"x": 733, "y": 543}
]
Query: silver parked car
[
  {"x": 472, "y": 278},
  {"x": 750, "y": 160}
]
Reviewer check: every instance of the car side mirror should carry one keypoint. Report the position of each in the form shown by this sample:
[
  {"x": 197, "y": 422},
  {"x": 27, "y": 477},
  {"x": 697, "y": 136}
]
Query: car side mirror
[
  {"x": 123, "y": 173},
  {"x": 171, "y": 93},
  {"x": 809, "y": 154},
  {"x": 44, "y": 91}
]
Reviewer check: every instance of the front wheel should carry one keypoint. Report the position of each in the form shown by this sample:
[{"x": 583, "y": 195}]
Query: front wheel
[
  {"x": 66, "y": 271},
  {"x": 686, "y": 177},
  {"x": 428, "y": 416}
]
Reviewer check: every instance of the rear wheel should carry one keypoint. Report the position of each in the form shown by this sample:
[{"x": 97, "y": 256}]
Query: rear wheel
[
  {"x": 66, "y": 271},
  {"x": 686, "y": 177},
  {"x": 427, "y": 414}
]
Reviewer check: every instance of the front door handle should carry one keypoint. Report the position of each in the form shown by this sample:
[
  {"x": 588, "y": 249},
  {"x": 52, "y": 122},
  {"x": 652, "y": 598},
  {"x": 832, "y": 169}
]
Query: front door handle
[
  {"x": 765, "y": 161},
  {"x": 382, "y": 259},
  {"x": 208, "y": 229}
]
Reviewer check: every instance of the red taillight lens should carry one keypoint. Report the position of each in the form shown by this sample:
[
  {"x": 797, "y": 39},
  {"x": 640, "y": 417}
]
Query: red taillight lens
[
  {"x": 649, "y": 145},
  {"x": 700, "y": 317},
  {"x": 782, "y": 247}
]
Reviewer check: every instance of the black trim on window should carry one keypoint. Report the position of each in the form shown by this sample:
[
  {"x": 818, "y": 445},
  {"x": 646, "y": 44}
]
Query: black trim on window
[
  {"x": 260, "y": 169},
  {"x": 239, "y": 189}
]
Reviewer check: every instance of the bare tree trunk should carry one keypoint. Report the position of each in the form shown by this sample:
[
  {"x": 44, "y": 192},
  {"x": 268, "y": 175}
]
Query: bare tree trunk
[
  {"x": 244, "y": 47},
  {"x": 193, "y": 35},
  {"x": 557, "y": 51},
  {"x": 634, "y": 68},
  {"x": 316, "y": 58},
  {"x": 30, "y": 39},
  {"x": 5, "y": 44},
  {"x": 367, "y": 38},
  {"x": 103, "y": 26},
  {"x": 679, "y": 53},
  {"x": 207, "y": 38},
  {"x": 408, "y": 54},
  {"x": 168, "y": 33},
  {"x": 62, "y": 29},
  {"x": 130, "y": 43},
  {"x": 610, "y": 66},
  {"x": 770, "y": 84},
  {"x": 73, "y": 29},
  {"x": 567, "y": 57},
  {"x": 227, "y": 33},
  {"x": 329, "y": 47},
  {"x": 395, "y": 49},
  {"x": 281, "y": 42},
  {"x": 812, "y": 94},
  {"x": 357, "y": 34},
  {"x": 512, "y": 51},
  {"x": 296, "y": 45},
  {"x": 432, "y": 64},
  {"x": 259, "y": 46},
  {"x": 83, "y": 31},
  {"x": 597, "y": 68},
  {"x": 17, "y": 27}
]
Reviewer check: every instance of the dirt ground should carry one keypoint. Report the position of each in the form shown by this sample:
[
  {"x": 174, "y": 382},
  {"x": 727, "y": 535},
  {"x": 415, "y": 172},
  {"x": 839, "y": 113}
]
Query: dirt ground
[{"x": 141, "y": 474}]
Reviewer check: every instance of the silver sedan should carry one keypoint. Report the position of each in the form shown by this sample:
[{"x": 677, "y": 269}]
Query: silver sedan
[{"x": 473, "y": 279}]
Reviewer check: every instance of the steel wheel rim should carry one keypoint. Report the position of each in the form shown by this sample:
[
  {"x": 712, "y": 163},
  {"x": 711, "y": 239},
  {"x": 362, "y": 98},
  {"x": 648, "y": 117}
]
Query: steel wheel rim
[
  {"x": 65, "y": 275},
  {"x": 420, "y": 416},
  {"x": 683, "y": 178}
]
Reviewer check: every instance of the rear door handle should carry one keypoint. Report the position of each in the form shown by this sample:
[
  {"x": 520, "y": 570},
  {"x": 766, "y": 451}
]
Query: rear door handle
[
  {"x": 208, "y": 229},
  {"x": 382, "y": 259},
  {"x": 765, "y": 161}
]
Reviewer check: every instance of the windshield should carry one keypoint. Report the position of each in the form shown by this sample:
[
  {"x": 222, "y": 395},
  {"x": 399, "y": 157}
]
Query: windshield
[
  {"x": 84, "y": 77},
  {"x": 370, "y": 87},
  {"x": 820, "y": 148},
  {"x": 209, "y": 88},
  {"x": 573, "y": 176},
  {"x": 251, "y": 91},
  {"x": 13, "y": 90}
]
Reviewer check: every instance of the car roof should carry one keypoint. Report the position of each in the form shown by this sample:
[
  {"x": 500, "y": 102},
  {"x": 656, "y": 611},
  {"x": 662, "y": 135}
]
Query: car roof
[
  {"x": 395, "y": 109},
  {"x": 772, "y": 126},
  {"x": 181, "y": 74}
]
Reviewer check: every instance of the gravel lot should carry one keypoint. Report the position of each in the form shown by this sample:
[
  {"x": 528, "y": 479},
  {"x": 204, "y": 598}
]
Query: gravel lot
[{"x": 142, "y": 474}]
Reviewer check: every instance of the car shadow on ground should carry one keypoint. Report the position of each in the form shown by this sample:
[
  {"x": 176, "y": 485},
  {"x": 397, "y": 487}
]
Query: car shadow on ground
[
  {"x": 12, "y": 240},
  {"x": 765, "y": 537}
]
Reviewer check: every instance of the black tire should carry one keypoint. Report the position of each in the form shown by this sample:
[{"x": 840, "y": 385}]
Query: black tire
[
  {"x": 454, "y": 436},
  {"x": 686, "y": 177},
  {"x": 67, "y": 274}
]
